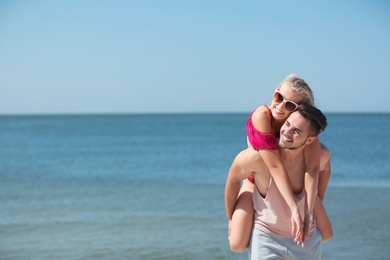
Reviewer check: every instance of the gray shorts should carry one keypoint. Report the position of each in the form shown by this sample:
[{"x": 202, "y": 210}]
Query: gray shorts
[{"x": 265, "y": 246}]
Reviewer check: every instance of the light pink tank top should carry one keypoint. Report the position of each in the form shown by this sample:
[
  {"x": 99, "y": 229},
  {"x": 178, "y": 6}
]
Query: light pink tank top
[{"x": 273, "y": 215}]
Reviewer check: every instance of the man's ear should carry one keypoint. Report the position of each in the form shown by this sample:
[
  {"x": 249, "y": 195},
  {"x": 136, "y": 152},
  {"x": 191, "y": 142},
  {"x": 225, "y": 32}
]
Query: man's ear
[{"x": 310, "y": 140}]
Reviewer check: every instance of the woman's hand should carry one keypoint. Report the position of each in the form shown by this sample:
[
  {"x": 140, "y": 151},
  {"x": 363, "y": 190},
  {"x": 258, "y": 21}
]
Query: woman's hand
[{"x": 297, "y": 226}]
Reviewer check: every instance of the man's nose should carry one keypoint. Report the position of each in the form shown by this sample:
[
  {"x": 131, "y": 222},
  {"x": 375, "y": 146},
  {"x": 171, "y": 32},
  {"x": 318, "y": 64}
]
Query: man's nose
[{"x": 288, "y": 130}]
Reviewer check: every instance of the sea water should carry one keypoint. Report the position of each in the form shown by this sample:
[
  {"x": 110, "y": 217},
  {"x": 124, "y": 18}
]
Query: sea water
[{"x": 144, "y": 186}]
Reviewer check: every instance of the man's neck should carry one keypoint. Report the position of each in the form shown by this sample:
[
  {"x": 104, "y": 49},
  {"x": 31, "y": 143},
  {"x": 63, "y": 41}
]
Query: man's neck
[{"x": 291, "y": 155}]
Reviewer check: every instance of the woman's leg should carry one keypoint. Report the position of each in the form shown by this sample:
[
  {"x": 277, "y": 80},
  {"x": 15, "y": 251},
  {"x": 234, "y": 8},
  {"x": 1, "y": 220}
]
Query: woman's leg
[{"x": 242, "y": 220}]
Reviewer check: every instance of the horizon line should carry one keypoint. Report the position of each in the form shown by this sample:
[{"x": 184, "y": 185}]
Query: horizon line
[{"x": 164, "y": 113}]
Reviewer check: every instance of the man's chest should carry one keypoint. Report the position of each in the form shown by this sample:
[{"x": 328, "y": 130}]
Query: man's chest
[{"x": 296, "y": 172}]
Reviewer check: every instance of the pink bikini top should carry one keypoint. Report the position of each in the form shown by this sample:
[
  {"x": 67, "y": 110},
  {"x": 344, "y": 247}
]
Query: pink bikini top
[{"x": 260, "y": 141}]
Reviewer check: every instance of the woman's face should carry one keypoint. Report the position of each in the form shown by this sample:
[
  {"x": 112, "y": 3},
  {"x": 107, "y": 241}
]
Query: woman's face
[{"x": 278, "y": 107}]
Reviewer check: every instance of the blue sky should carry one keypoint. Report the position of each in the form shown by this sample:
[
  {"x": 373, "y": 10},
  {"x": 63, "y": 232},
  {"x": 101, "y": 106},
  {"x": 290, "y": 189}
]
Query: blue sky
[{"x": 71, "y": 57}]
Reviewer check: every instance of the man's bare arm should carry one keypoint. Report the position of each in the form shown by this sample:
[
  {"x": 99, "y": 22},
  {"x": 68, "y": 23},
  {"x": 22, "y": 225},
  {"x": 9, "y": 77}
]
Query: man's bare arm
[{"x": 241, "y": 168}]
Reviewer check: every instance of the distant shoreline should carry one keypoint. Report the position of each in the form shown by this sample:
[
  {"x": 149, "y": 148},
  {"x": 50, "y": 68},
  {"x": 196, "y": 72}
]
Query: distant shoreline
[{"x": 168, "y": 114}]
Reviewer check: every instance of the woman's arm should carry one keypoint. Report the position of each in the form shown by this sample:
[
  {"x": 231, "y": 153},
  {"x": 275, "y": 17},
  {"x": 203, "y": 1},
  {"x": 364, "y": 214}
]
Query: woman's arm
[
  {"x": 282, "y": 181},
  {"x": 279, "y": 174},
  {"x": 262, "y": 123}
]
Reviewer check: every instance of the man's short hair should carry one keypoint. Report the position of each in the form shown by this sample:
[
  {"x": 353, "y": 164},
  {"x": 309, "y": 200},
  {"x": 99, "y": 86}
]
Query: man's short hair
[{"x": 318, "y": 121}]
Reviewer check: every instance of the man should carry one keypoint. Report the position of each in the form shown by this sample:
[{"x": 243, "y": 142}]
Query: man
[{"x": 271, "y": 236}]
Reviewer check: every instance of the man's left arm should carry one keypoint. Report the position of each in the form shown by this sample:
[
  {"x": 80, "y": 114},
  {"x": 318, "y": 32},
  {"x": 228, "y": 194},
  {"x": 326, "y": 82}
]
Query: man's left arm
[{"x": 312, "y": 159}]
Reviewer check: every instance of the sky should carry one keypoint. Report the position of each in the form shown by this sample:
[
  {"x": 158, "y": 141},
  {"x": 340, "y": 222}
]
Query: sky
[{"x": 166, "y": 56}]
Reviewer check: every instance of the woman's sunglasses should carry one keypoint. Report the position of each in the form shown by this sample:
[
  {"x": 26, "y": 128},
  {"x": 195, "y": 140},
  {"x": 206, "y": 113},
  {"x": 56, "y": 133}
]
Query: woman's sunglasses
[{"x": 288, "y": 104}]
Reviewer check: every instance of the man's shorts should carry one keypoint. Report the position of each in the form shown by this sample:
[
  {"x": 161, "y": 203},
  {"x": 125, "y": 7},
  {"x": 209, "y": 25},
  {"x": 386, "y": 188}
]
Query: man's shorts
[{"x": 265, "y": 246}]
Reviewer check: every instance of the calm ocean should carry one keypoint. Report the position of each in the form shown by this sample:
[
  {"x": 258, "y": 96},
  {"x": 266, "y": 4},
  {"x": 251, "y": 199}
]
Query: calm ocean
[{"x": 151, "y": 186}]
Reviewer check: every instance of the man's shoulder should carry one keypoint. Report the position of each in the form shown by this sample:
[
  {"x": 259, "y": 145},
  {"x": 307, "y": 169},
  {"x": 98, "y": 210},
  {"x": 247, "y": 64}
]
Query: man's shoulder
[{"x": 325, "y": 153}]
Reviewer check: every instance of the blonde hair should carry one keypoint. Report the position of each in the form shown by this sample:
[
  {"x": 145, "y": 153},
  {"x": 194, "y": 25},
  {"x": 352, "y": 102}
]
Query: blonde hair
[{"x": 300, "y": 87}]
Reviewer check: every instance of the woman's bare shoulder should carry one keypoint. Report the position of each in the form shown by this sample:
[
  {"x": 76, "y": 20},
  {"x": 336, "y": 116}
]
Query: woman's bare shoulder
[{"x": 261, "y": 120}]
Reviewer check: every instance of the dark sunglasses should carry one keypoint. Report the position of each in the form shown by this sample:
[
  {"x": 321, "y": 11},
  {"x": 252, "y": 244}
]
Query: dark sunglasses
[{"x": 288, "y": 104}]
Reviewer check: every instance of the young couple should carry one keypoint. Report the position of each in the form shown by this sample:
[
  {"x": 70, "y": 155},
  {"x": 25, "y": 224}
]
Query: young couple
[{"x": 285, "y": 171}]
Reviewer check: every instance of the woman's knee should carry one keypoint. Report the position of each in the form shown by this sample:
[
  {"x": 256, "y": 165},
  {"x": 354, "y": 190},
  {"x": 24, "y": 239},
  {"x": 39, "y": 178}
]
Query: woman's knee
[
  {"x": 242, "y": 222},
  {"x": 327, "y": 235},
  {"x": 238, "y": 246}
]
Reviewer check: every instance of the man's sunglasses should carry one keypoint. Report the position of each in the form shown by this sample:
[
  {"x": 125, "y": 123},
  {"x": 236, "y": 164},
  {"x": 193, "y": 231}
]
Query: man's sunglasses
[{"x": 288, "y": 104}]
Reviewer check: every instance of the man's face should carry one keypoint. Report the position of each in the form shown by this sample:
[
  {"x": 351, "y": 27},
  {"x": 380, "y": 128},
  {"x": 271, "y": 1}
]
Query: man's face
[{"x": 294, "y": 132}]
